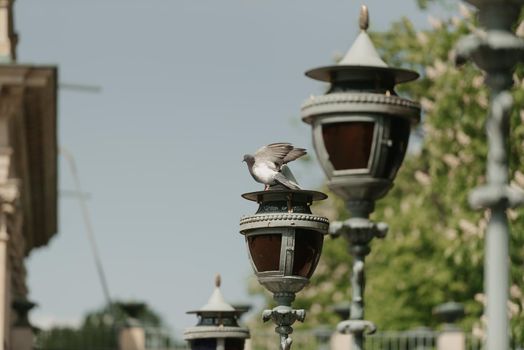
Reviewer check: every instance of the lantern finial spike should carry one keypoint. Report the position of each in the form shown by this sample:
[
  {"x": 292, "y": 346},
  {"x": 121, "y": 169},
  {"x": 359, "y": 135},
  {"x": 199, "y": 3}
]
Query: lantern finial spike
[
  {"x": 363, "y": 20},
  {"x": 218, "y": 280}
]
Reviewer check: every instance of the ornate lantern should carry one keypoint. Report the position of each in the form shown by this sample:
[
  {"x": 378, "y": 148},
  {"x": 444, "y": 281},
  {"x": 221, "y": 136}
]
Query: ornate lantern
[
  {"x": 360, "y": 131},
  {"x": 284, "y": 241},
  {"x": 217, "y": 327},
  {"x": 360, "y": 126}
]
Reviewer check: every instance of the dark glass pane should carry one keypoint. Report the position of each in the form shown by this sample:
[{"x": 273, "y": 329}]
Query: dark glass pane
[
  {"x": 265, "y": 251},
  {"x": 204, "y": 344},
  {"x": 399, "y": 135},
  {"x": 217, "y": 321},
  {"x": 234, "y": 344},
  {"x": 299, "y": 205},
  {"x": 308, "y": 246},
  {"x": 348, "y": 144}
]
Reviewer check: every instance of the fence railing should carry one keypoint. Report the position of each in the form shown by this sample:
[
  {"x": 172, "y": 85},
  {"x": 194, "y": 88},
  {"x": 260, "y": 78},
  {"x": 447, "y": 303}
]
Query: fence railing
[
  {"x": 419, "y": 339},
  {"x": 162, "y": 339},
  {"x": 410, "y": 340}
]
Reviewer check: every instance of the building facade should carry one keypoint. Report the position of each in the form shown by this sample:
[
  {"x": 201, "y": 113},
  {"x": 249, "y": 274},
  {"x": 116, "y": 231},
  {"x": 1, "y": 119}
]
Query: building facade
[{"x": 28, "y": 168}]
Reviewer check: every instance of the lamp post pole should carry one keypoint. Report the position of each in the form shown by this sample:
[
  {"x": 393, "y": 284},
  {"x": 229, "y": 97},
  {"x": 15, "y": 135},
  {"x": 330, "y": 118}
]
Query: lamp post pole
[
  {"x": 360, "y": 131},
  {"x": 496, "y": 50},
  {"x": 359, "y": 231}
]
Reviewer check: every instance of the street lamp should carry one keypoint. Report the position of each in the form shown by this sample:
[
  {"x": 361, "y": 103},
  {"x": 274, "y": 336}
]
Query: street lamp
[
  {"x": 450, "y": 336},
  {"x": 496, "y": 50},
  {"x": 284, "y": 241},
  {"x": 131, "y": 334},
  {"x": 22, "y": 332},
  {"x": 322, "y": 335},
  {"x": 217, "y": 327},
  {"x": 132, "y": 310},
  {"x": 449, "y": 313},
  {"x": 360, "y": 130}
]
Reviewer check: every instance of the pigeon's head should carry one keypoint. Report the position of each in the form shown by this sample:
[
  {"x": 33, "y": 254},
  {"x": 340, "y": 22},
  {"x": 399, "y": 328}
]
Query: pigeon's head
[{"x": 249, "y": 159}]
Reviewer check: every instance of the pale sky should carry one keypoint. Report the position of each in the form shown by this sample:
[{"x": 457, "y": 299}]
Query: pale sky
[{"x": 188, "y": 87}]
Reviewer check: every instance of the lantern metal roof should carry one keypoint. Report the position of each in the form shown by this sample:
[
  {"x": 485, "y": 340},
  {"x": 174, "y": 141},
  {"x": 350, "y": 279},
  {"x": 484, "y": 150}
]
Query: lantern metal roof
[
  {"x": 216, "y": 303},
  {"x": 361, "y": 62},
  {"x": 217, "y": 319}
]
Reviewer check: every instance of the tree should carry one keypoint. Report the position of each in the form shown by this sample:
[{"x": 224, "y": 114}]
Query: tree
[
  {"x": 98, "y": 330},
  {"x": 434, "y": 249}
]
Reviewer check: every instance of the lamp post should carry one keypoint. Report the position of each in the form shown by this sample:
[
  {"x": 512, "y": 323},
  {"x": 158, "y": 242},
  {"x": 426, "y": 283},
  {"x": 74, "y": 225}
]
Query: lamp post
[
  {"x": 22, "y": 334},
  {"x": 450, "y": 336},
  {"x": 323, "y": 335},
  {"x": 496, "y": 50},
  {"x": 132, "y": 310},
  {"x": 360, "y": 132},
  {"x": 217, "y": 327},
  {"x": 132, "y": 334},
  {"x": 284, "y": 241}
]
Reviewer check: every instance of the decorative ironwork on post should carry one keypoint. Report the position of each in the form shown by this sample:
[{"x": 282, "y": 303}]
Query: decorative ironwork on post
[
  {"x": 496, "y": 50},
  {"x": 360, "y": 131},
  {"x": 284, "y": 241}
]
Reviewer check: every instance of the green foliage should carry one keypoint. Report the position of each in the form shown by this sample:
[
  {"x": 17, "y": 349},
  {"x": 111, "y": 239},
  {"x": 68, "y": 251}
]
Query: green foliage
[
  {"x": 98, "y": 330},
  {"x": 63, "y": 338},
  {"x": 434, "y": 249},
  {"x": 115, "y": 315}
]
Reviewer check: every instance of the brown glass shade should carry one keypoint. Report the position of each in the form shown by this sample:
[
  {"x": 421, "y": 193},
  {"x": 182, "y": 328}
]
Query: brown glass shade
[
  {"x": 204, "y": 344},
  {"x": 234, "y": 344},
  {"x": 399, "y": 136},
  {"x": 265, "y": 251},
  {"x": 308, "y": 246},
  {"x": 348, "y": 144}
]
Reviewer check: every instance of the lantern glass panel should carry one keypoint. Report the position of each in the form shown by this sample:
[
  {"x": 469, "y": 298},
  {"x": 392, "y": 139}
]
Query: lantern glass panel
[
  {"x": 234, "y": 344},
  {"x": 204, "y": 344},
  {"x": 265, "y": 251},
  {"x": 399, "y": 135},
  {"x": 308, "y": 246},
  {"x": 348, "y": 144},
  {"x": 217, "y": 320}
]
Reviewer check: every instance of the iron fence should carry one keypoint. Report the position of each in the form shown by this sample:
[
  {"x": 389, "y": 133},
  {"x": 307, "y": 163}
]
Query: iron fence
[
  {"x": 419, "y": 339},
  {"x": 162, "y": 339},
  {"x": 410, "y": 340}
]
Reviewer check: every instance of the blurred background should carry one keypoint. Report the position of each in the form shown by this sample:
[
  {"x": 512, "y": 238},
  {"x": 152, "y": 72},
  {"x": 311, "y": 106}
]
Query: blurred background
[{"x": 158, "y": 102}]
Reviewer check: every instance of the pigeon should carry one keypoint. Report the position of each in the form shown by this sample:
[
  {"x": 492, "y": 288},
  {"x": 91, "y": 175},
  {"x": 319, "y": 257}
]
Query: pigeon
[{"x": 267, "y": 163}]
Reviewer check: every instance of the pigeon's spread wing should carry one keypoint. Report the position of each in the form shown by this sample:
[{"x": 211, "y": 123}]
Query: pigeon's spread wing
[
  {"x": 275, "y": 152},
  {"x": 295, "y": 153}
]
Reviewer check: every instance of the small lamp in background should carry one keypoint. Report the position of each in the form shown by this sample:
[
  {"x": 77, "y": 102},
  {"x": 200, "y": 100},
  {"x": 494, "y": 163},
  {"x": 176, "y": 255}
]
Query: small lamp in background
[{"x": 217, "y": 327}]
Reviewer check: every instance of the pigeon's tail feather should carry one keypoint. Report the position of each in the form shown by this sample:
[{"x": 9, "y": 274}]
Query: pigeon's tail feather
[
  {"x": 280, "y": 178},
  {"x": 286, "y": 171},
  {"x": 295, "y": 153}
]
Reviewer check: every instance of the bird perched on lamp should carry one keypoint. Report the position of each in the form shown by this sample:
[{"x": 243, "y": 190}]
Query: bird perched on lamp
[{"x": 268, "y": 164}]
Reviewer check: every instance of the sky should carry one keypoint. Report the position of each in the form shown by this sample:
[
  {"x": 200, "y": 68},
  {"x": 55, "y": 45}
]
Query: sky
[{"x": 187, "y": 88}]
